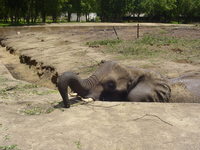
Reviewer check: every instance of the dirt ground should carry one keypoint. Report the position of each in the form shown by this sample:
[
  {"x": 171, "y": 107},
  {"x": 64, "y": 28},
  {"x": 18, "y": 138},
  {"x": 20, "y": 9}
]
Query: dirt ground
[
  {"x": 52, "y": 49},
  {"x": 32, "y": 117}
]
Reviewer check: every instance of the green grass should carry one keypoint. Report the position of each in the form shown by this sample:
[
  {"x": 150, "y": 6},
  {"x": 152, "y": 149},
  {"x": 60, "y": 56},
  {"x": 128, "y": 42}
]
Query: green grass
[
  {"x": 156, "y": 40},
  {"x": 6, "y": 137},
  {"x": 107, "y": 42},
  {"x": 17, "y": 24},
  {"x": 3, "y": 79},
  {"x": 17, "y": 88},
  {"x": 3, "y": 93},
  {"x": 9, "y": 147},
  {"x": 4, "y": 24},
  {"x": 153, "y": 46},
  {"x": 38, "y": 22},
  {"x": 78, "y": 144},
  {"x": 37, "y": 92},
  {"x": 36, "y": 110},
  {"x": 175, "y": 22},
  {"x": 8, "y": 91}
]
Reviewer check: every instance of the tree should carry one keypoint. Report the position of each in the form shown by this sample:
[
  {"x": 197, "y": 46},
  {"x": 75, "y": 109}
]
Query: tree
[
  {"x": 54, "y": 9},
  {"x": 188, "y": 9},
  {"x": 88, "y": 6},
  {"x": 136, "y": 7},
  {"x": 67, "y": 8},
  {"x": 112, "y": 10},
  {"x": 197, "y": 9},
  {"x": 161, "y": 10},
  {"x": 76, "y": 8},
  {"x": 108, "y": 10},
  {"x": 14, "y": 8},
  {"x": 3, "y": 11}
]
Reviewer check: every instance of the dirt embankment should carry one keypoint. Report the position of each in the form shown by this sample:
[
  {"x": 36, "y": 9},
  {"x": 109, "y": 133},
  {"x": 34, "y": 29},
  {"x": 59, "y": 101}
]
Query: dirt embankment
[{"x": 51, "y": 50}]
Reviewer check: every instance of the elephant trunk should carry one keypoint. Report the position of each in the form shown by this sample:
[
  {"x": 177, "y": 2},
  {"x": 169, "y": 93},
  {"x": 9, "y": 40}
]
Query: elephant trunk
[
  {"x": 70, "y": 79},
  {"x": 81, "y": 87}
]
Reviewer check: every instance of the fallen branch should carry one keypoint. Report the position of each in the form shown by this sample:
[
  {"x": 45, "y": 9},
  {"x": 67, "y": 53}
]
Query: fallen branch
[
  {"x": 103, "y": 106},
  {"x": 150, "y": 115}
]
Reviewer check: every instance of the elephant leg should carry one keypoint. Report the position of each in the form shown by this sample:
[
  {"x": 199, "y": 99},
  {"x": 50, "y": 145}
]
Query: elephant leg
[{"x": 150, "y": 92}]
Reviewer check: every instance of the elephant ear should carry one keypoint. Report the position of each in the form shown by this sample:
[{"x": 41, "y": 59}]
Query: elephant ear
[
  {"x": 133, "y": 83},
  {"x": 149, "y": 89},
  {"x": 160, "y": 87}
]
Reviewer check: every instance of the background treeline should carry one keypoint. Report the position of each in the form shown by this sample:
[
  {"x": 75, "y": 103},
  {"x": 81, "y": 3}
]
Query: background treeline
[{"x": 32, "y": 11}]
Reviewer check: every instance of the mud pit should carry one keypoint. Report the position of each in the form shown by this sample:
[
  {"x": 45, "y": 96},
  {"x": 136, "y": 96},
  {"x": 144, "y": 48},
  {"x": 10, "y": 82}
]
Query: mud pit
[{"x": 31, "y": 116}]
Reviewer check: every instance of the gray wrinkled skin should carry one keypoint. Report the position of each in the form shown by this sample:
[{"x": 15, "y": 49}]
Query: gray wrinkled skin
[{"x": 114, "y": 82}]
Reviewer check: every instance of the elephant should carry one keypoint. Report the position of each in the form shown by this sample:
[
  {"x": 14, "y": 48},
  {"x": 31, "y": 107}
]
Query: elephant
[
  {"x": 115, "y": 82},
  {"x": 112, "y": 81}
]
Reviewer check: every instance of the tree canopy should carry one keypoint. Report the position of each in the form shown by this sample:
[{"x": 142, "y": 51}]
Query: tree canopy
[{"x": 29, "y": 11}]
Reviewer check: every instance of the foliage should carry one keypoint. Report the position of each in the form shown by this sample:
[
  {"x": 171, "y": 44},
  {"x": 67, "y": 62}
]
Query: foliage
[
  {"x": 136, "y": 7},
  {"x": 188, "y": 9},
  {"x": 112, "y": 10},
  {"x": 32, "y": 11},
  {"x": 162, "y": 10}
]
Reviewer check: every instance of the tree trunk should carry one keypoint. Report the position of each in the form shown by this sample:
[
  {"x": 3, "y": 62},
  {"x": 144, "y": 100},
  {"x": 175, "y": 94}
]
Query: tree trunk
[
  {"x": 43, "y": 17},
  {"x": 87, "y": 17},
  {"x": 78, "y": 17},
  {"x": 27, "y": 20},
  {"x": 138, "y": 17},
  {"x": 69, "y": 17},
  {"x": 54, "y": 18},
  {"x": 12, "y": 18}
]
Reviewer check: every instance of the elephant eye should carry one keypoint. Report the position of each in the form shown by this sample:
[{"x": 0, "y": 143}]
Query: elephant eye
[{"x": 111, "y": 85}]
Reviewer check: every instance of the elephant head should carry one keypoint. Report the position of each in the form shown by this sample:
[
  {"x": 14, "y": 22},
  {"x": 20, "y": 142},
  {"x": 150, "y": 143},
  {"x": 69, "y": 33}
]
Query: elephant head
[{"x": 110, "y": 81}]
